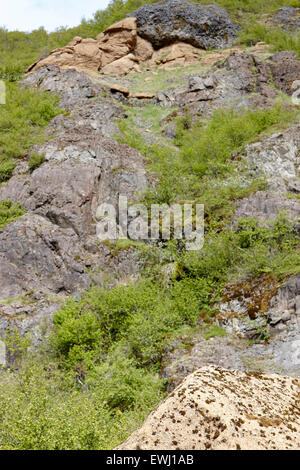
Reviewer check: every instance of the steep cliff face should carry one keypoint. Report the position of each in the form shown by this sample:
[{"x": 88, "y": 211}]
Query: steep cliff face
[
  {"x": 50, "y": 250},
  {"x": 150, "y": 114}
]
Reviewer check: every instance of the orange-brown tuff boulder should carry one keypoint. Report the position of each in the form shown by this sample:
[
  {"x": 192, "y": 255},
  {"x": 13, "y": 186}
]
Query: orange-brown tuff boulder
[{"x": 117, "y": 41}]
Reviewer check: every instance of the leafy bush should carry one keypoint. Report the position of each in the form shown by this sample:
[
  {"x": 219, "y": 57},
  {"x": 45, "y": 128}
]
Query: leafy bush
[
  {"x": 40, "y": 409},
  {"x": 249, "y": 251},
  {"x": 139, "y": 316}
]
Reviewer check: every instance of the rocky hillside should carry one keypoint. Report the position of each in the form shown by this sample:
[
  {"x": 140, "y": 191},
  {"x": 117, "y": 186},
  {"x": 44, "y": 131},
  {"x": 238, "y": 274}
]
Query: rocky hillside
[{"x": 171, "y": 104}]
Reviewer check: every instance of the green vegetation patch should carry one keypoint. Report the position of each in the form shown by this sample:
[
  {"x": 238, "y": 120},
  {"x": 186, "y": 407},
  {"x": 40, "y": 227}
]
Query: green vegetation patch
[
  {"x": 9, "y": 212},
  {"x": 214, "y": 331},
  {"x": 207, "y": 168},
  {"x": 22, "y": 122},
  {"x": 279, "y": 39},
  {"x": 35, "y": 161}
]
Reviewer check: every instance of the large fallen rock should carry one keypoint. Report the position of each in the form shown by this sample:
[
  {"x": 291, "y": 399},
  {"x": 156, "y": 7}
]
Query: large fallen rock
[
  {"x": 169, "y": 21},
  {"x": 216, "y": 408}
]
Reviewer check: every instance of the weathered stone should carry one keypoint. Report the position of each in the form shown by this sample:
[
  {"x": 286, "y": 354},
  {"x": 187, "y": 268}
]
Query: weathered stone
[
  {"x": 143, "y": 96},
  {"x": 265, "y": 206},
  {"x": 127, "y": 24},
  {"x": 36, "y": 254},
  {"x": 143, "y": 50},
  {"x": 285, "y": 68},
  {"x": 276, "y": 157},
  {"x": 196, "y": 83},
  {"x": 286, "y": 316},
  {"x": 118, "y": 41},
  {"x": 213, "y": 58},
  {"x": 83, "y": 54},
  {"x": 215, "y": 408},
  {"x": 288, "y": 18},
  {"x": 121, "y": 66},
  {"x": 171, "y": 130},
  {"x": 202, "y": 26},
  {"x": 75, "y": 90},
  {"x": 119, "y": 89},
  {"x": 240, "y": 81},
  {"x": 179, "y": 53}
]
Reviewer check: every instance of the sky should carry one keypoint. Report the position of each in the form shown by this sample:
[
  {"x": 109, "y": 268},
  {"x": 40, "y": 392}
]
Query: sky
[{"x": 26, "y": 15}]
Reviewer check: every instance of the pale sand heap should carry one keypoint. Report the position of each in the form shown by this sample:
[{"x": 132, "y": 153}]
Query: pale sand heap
[{"x": 215, "y": 408}]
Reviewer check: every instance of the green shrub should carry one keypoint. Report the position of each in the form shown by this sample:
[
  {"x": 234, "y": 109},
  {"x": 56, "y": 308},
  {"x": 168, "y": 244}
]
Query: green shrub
[
  {"x": 249, "y": 251},
  {"x": 206, "y": 150},
  {"x": 41, "y": 409},
  {"x": 214, "y": 331},
  {"x": 22, "y": 122},
  {"x": 35, "y": 161},
  {"x": 9, "y": 212},
  {"x": 11, "y": 72},
  {"x": 140, "y": 316},
  {"x": 279, "y": 39},
  {"x": 203, "y": 170},
  {"x": 6, "y": 169}
]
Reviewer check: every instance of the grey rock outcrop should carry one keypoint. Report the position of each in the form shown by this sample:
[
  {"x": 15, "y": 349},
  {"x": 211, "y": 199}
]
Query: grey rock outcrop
[
  {"x": 80, "y": 96},
  {"x": 265, "y": 311},
  {"x": 37, "y": 254},
  {"x": 277, "y": 157},
  {"x": 266, "y": 206},
  {"x": 285, "y": 70},
  {"x": 202, "y": 26},
  {"x": 239, "y": 81},
  {"x": 288, "y": 18}
]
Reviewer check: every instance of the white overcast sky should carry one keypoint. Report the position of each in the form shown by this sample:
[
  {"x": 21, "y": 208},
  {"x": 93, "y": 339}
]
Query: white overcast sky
[{"x": 26, "y": 15}]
